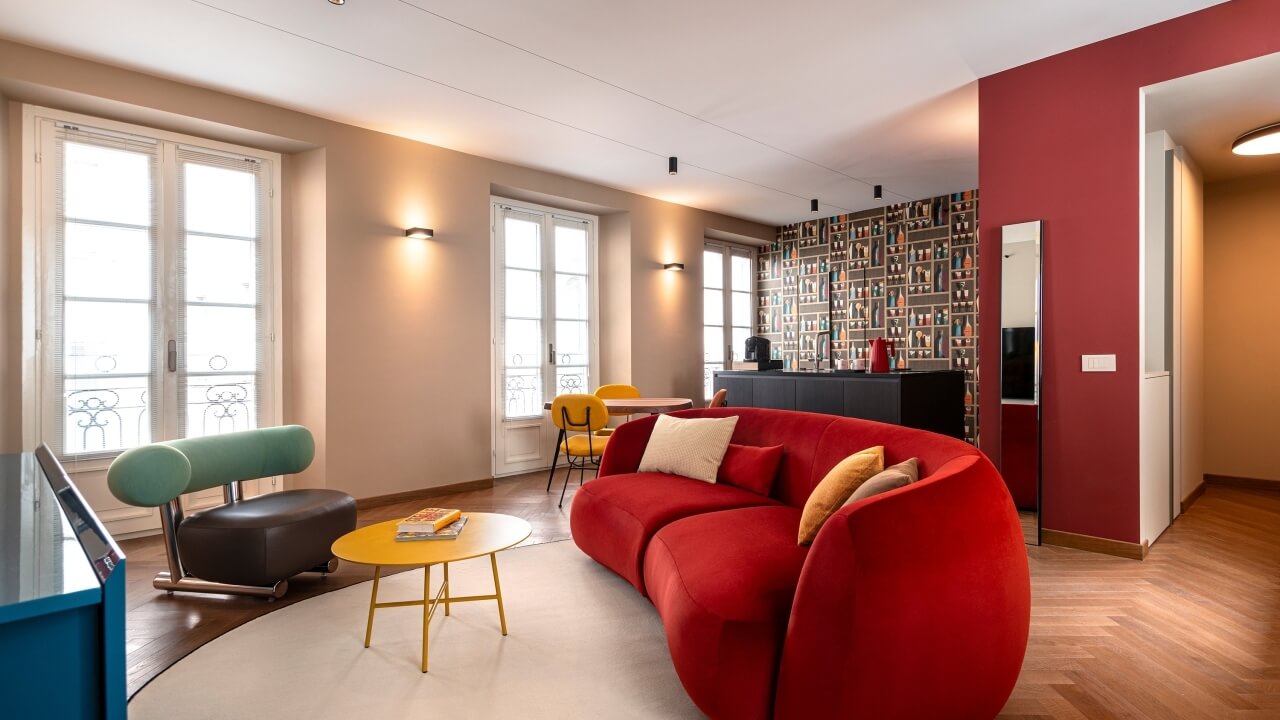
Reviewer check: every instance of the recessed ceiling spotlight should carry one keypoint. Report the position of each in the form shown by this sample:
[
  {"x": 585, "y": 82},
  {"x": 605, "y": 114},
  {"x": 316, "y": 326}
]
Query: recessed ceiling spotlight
[
  {"x": 1263, "y": 141},
  {"x": 337, "y": 2}
]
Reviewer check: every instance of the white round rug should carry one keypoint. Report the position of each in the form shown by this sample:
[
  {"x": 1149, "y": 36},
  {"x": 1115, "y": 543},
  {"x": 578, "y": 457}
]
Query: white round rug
[{"x": 582, "y": 644}]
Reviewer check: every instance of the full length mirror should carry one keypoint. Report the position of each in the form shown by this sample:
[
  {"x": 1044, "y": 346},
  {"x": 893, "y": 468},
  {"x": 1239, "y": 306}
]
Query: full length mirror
[{"x": 1021, "y": 329}]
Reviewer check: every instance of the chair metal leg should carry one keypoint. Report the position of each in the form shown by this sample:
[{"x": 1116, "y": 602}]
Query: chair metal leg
[
  {"x": 555, "y": 460},
  {"x": 567, "y": 473}
]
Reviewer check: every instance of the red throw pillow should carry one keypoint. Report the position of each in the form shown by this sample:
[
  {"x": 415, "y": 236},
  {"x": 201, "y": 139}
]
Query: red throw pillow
[{"x": 750, "y": 467}]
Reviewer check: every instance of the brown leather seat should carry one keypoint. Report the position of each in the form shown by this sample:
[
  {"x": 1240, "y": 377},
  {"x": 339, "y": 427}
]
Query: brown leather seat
[{"x": 265, "y": 539}]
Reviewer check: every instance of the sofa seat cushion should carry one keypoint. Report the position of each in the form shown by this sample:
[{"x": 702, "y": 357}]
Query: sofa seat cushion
[
  {"x": 723, "y": 583},
  {"x": 613, "y": 517},
  {"x": 264, "y": 539}
]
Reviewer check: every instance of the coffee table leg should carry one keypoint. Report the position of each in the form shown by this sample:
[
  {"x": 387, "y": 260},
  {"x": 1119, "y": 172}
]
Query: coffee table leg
[
  {"x": 497, "y": 591},
  {"x": 373, "y": 601},
  {"x": 446, "y": 589},
  {"x": 426, "y": 612}
]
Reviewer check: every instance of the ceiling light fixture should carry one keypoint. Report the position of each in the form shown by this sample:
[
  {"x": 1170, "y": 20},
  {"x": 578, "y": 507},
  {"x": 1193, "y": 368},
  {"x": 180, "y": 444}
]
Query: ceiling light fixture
[
  {"x": 813, "y": 205},
  {"x": 415, "y": 232},
  {"x": 671, "y": 165},
  {"x": 674, "y": 267},
  {"x": 878, "y": 193},
  {"x": 1263, "y": 141},
  {"x": 337, "y": 2}
]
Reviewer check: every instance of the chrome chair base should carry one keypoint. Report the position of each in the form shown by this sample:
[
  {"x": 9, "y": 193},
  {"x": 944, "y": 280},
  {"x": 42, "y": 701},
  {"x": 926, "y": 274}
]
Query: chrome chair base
[{"x": 194, "y": 584}]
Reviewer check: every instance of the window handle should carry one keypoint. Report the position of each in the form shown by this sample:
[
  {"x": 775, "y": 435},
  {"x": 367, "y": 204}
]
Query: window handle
[
  {"x": 551, "y": 353},
  {"x": 173, "y": 356}
]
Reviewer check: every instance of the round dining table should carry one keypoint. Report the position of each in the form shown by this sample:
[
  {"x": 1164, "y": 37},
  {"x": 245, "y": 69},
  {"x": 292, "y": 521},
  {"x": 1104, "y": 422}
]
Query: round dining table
[{"x": 641, "y": 405}]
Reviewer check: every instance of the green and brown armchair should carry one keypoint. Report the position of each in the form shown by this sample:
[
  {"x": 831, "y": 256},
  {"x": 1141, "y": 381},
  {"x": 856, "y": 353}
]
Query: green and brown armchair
[{"x": 247, "y": 546}]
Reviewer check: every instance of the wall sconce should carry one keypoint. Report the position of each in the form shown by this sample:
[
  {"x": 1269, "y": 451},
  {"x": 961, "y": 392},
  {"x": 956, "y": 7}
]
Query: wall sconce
[
  {"x": 419, "y": 233},
  {"x": 674, "y": 267}
]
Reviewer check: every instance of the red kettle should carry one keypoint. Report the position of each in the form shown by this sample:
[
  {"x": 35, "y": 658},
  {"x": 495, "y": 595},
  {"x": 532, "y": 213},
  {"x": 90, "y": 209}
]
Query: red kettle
[{"x": 880, "y": 351}]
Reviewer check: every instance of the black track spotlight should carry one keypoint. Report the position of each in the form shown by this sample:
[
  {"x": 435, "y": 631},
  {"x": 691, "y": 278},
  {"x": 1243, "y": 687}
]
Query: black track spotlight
[
  {"x": 878, "y": 192},
  {"x": 813, "y": 205},
  {"x": 672, "y": 165}
]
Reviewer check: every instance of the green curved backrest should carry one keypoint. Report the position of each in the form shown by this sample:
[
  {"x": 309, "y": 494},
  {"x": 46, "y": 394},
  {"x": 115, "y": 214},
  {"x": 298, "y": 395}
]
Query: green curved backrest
[{"x": 154, "y": 474}]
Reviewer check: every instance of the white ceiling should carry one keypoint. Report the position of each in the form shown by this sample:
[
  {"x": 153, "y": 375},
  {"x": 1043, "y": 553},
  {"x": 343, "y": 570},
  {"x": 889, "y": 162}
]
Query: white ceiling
[
  {"x": 766, "y": 104},
  {"x": 1207, "y": 111}
]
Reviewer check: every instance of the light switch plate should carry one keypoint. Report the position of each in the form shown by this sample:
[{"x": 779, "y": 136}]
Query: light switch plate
[{"x": 1097, "y": 363}]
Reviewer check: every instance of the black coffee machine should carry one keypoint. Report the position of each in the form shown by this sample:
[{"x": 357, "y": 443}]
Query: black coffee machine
[{"x": 758, "y": 351}]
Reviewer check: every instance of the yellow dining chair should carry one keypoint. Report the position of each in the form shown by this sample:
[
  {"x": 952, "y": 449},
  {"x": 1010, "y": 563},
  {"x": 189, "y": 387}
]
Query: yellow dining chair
[
  {"x": 583, "y": 415},
  {"x": 615, "y": 392}
]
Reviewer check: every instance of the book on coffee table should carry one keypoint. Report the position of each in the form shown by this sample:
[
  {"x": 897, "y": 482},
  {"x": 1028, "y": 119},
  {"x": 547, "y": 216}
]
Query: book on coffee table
[
  {"x": 448, "y": 532},
  {"x": 428, "y": 520}
]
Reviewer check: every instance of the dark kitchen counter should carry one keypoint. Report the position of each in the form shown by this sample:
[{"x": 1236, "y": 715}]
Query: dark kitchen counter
[{"x": 926, "y": 399}]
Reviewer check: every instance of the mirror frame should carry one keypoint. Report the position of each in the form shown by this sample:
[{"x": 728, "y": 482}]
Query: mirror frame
[{"x": 1037, "y": 358}]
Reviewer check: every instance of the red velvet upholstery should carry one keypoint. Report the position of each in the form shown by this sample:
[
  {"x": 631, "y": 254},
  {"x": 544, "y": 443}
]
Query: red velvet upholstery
[
  {"x": 614, "y": 517},
  {"x": 910, "y": 604},
  {"x": 750, "y": 468},
  {"x": 723, "y": 584}
]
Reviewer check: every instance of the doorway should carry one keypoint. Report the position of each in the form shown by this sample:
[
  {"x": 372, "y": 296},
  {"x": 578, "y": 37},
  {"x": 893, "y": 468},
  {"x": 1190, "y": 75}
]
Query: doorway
[{"x": 1209, "y": 400}]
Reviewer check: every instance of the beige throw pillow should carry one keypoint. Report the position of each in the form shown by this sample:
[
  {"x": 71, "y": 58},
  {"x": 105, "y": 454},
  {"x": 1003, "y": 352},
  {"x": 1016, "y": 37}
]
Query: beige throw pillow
[
  {"x": 893, "y": 477},
  {"x": 692, "y": 447},
  {"x": 836, "y": 487}
]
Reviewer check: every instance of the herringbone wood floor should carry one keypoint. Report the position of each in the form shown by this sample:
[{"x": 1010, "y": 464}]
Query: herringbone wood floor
[{"x": 1191, "y": 632}]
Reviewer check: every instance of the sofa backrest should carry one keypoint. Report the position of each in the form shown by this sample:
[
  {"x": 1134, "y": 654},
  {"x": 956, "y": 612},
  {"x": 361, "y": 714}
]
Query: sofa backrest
[{"x": 814, "y": 443}]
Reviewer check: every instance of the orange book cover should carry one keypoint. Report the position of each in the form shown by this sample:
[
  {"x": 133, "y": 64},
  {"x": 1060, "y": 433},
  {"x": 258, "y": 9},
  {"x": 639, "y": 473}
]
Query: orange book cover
[{"x": 428, "y": 520}]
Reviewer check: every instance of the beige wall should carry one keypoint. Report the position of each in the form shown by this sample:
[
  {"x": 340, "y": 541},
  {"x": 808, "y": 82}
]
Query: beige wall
[
  {"x": 10, "y": 297},
  {"x": 1242, "y": 388},
  {"x": 387, "y": 347}
]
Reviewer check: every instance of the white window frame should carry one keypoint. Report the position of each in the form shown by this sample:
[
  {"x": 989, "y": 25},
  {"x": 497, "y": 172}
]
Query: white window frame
[
  {"x": 729, "y": 249},
  {"x": 38, "y": 271},
  {"x": 501, "y": 468}
]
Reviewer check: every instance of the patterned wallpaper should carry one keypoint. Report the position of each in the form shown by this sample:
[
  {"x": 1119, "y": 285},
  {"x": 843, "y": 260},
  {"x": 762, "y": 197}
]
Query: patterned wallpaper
[{"x": 906, "y": 272}]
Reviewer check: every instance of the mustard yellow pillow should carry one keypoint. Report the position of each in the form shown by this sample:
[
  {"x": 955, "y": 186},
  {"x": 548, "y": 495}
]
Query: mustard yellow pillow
[{"x": 836, "y": 487}]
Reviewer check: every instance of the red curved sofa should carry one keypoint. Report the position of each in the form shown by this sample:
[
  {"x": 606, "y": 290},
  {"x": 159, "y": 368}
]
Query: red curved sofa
[{"x": 910, "y": 604}]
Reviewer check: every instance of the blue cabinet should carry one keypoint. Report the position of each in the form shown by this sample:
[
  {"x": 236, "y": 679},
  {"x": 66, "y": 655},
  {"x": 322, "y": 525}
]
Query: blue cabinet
[{"x": 62, "y": 598}]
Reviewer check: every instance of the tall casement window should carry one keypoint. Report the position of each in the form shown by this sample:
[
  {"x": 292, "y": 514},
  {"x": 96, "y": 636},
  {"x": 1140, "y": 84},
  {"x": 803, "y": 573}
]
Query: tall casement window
[
  {"x": 727, "y": 293},
  {"x": 545, "y": 325},
  {"x": 154, "y": 302}
]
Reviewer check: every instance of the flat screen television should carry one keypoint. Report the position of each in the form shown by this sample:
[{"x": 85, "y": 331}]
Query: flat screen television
[{"x": 1018, "y": 363}]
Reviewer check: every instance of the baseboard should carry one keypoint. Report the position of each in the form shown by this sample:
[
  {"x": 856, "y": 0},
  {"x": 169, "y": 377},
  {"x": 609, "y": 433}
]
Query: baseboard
[
  {"x": 1242, "y": 482},
  {"x": 380, "y": 500},
  {"x": 1106, "y": 546},
  {"x": 1191, "y": 499}
]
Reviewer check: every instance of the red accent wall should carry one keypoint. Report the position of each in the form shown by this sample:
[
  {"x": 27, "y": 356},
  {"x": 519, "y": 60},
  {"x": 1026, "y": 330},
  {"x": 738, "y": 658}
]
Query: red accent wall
[{"x": 1058, "y": 142}]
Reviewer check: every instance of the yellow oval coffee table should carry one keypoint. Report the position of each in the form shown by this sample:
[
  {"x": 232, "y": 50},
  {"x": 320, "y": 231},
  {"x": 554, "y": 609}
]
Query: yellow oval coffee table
[{"x": 484, "y": 534}]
